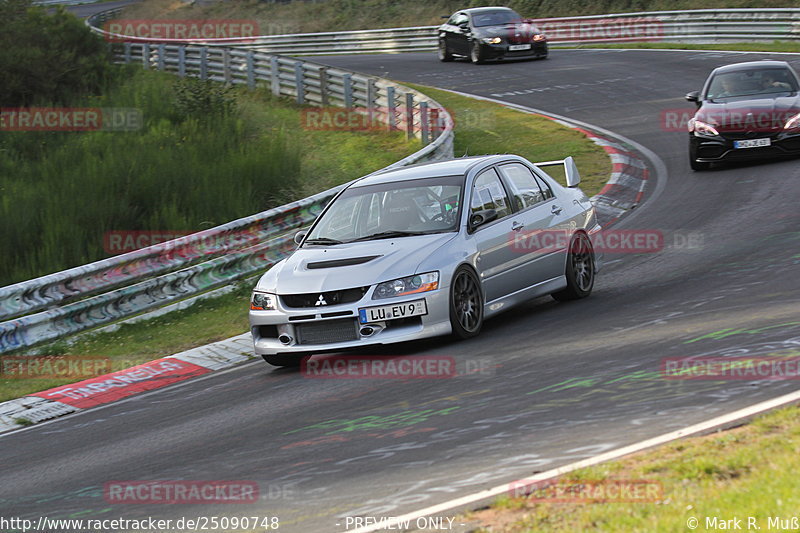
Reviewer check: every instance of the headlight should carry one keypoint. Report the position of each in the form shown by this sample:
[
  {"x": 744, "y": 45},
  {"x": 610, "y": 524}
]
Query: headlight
[
  {"x": 539, "y": 37},
  {"x": 408, "y": 285},
  {"x": 792, "y": 123},
  {"x": 263, "y": 301},
  {"x": 492, "y": 40},
  {"x": 698, "y": 126}
]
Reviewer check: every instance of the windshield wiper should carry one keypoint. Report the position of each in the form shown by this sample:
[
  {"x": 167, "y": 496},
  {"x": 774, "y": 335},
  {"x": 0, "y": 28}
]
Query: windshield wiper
[
  {"x": 322, "y": 240},
  {"x": 392, "y": 234}
]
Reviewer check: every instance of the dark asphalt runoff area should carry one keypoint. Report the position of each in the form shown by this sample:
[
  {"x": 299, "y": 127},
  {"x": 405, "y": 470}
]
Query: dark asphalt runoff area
[{"x": 560, "y": 381}]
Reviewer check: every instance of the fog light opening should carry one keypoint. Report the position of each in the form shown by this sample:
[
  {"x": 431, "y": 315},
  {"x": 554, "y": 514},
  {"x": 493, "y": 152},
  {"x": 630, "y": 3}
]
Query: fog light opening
[{"x": 285, "y": 339}]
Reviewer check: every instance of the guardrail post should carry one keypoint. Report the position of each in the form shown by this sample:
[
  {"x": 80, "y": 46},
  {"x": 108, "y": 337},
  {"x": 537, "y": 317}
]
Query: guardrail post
[
  {"x": 323, "y": 86},
  {"x": 425, "y": 126},
  {"x": 251, "y": 69},
  {"x": 347, "y": 80},
  {"x": 204, "y": 63},
  {"x": 391, "y": 108},
  {"x": 275, "y": 75},
  {"x": 410, "y": 116},
  {"x": 436, "y": 122},
  {"x": 226, "y": 65},
  {"x": 127, "y": 53},
  {"x": 370, "y": 101},
  {"x": 182, "y": 61},
  {"x": 162, "y": 50},
  {"x": 298, "y": 82},
  {"x": 146, "y": 55}
]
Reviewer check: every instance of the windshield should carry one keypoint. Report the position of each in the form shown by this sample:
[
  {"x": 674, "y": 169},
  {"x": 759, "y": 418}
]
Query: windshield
[
  {"x": 753, "y": 82},
  {"x": 494, "y": 18},
  {"x": 413, "y": 207}
]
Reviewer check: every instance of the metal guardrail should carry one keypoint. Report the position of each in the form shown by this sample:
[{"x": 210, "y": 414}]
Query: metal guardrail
[
  {"x": 84, "y": 297},
  {"x": 697, "y": 26}
]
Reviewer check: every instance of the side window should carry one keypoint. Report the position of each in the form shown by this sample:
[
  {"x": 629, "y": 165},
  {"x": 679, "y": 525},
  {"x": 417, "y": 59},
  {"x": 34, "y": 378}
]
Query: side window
[
  {"x": 488, "y": 193},
  {"x": 547, "y": 192},
  {"x": 525, "y": 189},
  {"x": 458, "y": 18}
]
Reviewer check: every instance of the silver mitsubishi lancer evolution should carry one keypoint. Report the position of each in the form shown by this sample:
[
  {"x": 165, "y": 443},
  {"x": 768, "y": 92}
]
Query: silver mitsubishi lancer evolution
[{"x": 426, "y": 250}]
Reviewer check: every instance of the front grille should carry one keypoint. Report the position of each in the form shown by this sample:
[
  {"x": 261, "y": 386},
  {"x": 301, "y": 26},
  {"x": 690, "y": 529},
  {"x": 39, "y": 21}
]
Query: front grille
[
  {"x": 312, "y": 299},
  {"x": 327, "y": 331}
]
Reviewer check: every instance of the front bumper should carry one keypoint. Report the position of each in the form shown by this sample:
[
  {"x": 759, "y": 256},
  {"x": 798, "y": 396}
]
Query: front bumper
[
  {"x": 269, "y": 327},
  {"x": 501, "y": 51},
  {"x": 720, "y": 148}
]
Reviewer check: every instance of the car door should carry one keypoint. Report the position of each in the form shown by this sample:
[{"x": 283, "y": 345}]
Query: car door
[
  {"x": 457, "y": 38},
  {"x": 540, "y": 224},
  {"x": 495, "y": 259}
]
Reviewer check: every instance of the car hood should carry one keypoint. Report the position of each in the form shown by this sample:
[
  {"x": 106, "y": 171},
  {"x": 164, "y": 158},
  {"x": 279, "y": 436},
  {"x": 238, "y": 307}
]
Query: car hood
[
  {"x": 756, "y": 115},
  {"x": 350, "y": 265},
  {"x": 513, "y": 32}
]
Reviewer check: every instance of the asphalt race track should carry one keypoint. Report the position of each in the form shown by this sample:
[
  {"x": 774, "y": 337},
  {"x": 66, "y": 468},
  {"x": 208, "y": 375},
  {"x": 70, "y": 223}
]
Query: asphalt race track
[{"x": 561, "y": 382}]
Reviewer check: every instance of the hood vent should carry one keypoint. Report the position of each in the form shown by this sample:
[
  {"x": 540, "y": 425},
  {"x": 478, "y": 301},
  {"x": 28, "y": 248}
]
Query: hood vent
[{"x": 341, "y": 262}]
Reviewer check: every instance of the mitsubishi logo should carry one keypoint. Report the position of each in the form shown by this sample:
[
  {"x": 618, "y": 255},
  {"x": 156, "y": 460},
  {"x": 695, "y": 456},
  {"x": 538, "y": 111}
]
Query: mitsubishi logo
[{"x": 321, "y": 300}]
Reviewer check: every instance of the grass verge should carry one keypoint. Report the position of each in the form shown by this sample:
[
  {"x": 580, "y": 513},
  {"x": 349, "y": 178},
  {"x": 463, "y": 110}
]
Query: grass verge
[
  {"x": 777, "y": 46},
  {"x": 740, "y": 473},
  {"x": 481, "y": 128}
]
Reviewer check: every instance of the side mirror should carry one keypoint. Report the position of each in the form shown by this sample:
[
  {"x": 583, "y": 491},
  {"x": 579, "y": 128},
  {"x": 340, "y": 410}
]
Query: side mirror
[
  {"x": 464, "y": 25},
  {"x": 571, "y": 170},
  {"x": 299, "y": 236},
  {"x": 693, "y": 96},
  {"x": 479, "y": 218}
]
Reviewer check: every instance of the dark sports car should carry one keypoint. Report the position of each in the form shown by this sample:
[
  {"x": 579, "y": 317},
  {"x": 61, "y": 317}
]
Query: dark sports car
[
  {"x": 745, "y": 111},
  {"x": 490, "y": 33}
]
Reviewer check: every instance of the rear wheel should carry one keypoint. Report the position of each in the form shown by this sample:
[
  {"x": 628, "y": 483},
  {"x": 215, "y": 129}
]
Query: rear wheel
[
  {"x": 476, "y": 54},
  {"x": 444, "y": 53},
  {"x": 466, "y": 303},
  {"x": 286, "y": 360},
  {"x": 579, "y": 271}
]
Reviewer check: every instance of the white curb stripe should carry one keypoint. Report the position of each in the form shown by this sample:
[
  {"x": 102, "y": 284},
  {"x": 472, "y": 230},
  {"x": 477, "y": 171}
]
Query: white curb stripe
[{"x": 603, "y": 457}]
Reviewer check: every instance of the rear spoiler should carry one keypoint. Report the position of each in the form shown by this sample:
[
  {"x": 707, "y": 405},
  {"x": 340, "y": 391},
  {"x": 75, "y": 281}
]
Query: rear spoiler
[{"x": 570, "y": 169}]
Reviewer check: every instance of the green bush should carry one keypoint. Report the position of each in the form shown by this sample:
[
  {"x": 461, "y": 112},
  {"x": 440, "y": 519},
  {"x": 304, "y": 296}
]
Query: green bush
[{"x": 48, "y": 58}]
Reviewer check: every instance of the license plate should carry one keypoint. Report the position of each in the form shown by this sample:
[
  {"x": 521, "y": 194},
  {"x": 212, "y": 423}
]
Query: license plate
[
  {"x": 751, "y": 143},
  {"x": 515, "y": 47},
  {"x": 392, "y": 312}
]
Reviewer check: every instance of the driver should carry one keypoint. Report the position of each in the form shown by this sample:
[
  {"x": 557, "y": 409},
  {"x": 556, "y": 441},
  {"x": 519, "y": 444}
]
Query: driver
[{"x": 770, "y": 84}]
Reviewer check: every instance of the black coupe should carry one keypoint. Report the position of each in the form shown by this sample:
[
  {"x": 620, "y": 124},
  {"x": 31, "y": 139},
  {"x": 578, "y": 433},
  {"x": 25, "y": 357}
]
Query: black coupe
[
  {"x": 745, "y": 111},
  {"x": 485, "y": 33}
]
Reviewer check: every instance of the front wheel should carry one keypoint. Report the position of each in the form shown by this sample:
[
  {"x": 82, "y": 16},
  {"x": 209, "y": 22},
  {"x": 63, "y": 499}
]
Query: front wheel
[
  {"x": 579, "y": 271},
  {"x": 476, "y": 54},
  {"x": 466, "y": 303},
  {"x": 444, "y": 53}
]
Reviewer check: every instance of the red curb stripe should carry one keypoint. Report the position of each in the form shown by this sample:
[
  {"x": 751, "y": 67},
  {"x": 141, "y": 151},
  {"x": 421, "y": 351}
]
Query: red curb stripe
[{"x": 118, "y": 385}]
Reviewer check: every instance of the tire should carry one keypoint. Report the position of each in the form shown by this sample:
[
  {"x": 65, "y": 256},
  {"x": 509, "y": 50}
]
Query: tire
[
  {"x": 286, "y": 360},
  {"x": 693, "y": 162},
  {"x": 444, "y": 53},
  {"x": 466, "y": 303},
  {"x": 475, "y": 53},
  {"x": 579, "y": 271}
]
